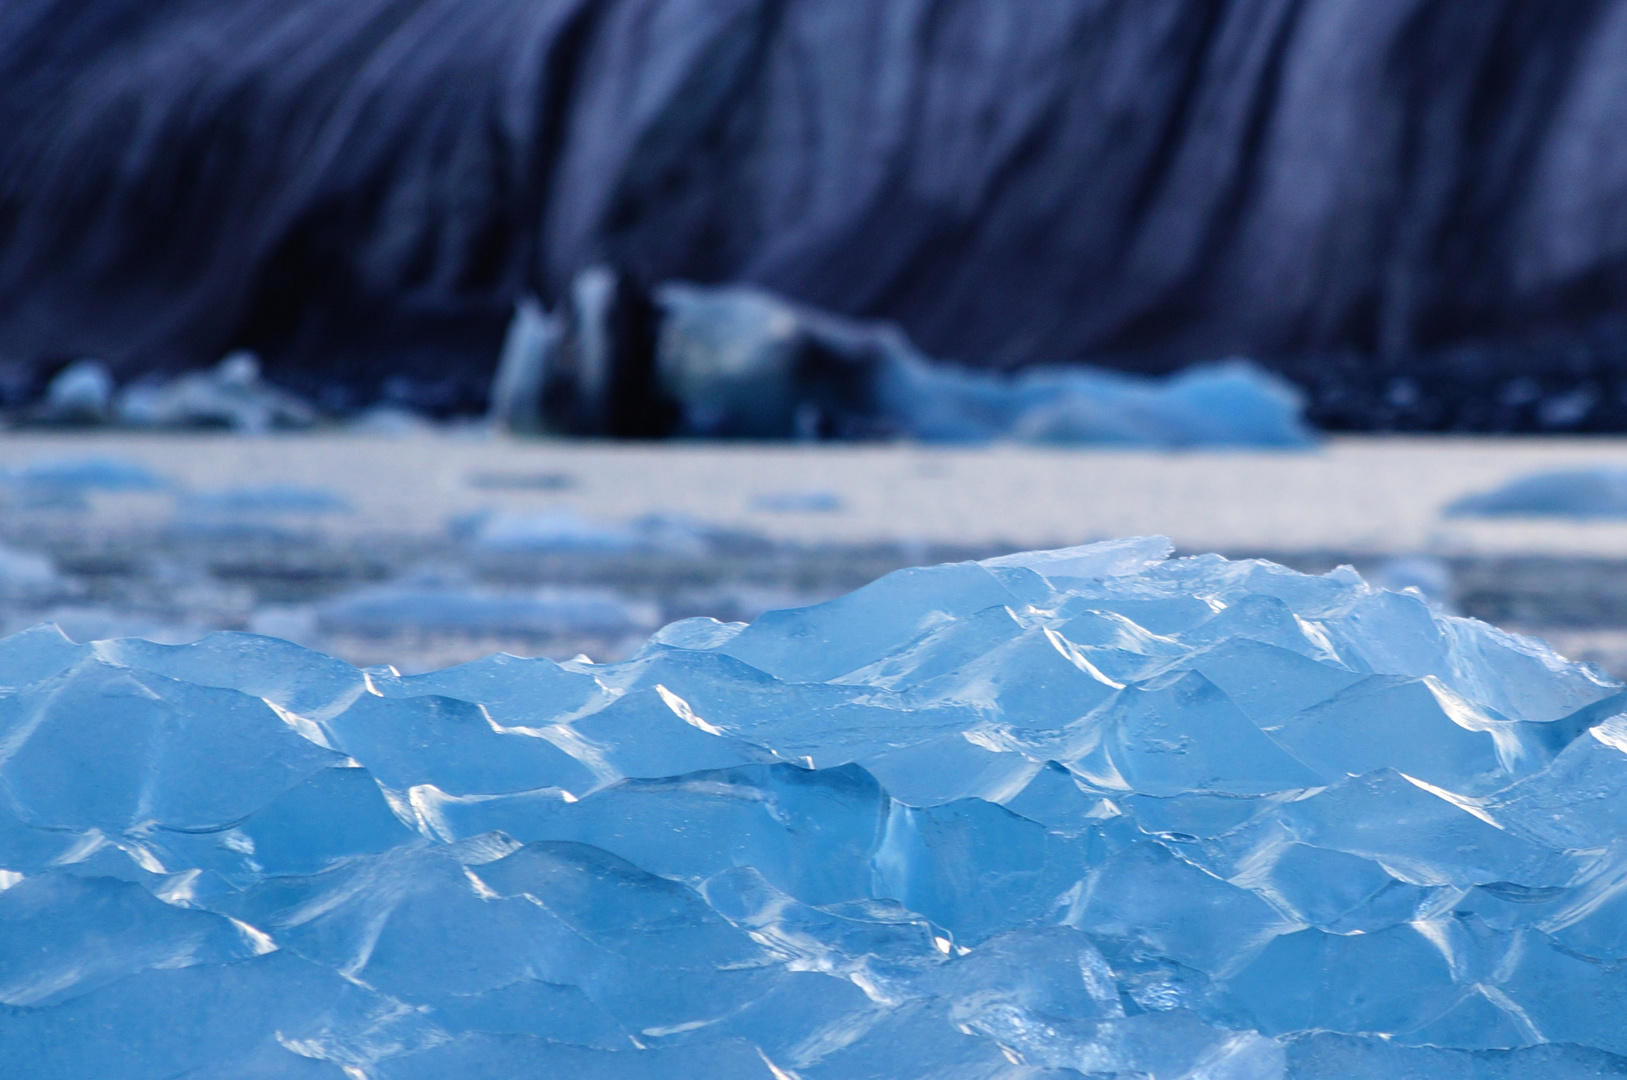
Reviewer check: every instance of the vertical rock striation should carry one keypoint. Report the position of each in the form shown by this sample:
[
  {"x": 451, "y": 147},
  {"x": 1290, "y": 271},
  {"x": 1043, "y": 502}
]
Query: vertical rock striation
[{"x": 367, "y": 185}]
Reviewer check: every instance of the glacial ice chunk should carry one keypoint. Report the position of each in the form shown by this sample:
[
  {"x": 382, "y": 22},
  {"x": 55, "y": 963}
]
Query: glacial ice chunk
[
  {"x": 1091, "y": 812},
  {"x": 512, "y": 532},
  {"x": 27, "y": 575},
  {"x": 80, "y": 393},
  {"x": 273, "y": 499}
]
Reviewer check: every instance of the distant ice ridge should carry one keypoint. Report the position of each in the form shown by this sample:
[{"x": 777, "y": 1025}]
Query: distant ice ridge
[{"x": 1092, "y": 812}]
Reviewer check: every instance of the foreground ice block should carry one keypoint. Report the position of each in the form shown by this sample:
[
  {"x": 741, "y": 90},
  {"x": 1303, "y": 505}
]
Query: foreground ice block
[{"x": 1090, "y": 813}]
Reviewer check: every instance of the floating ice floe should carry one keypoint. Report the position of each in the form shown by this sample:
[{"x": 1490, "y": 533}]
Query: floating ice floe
[
  {"x": 520, "y": 480},
  {"x": 27, "y": 575},
  {"x": 1233, "y": 403},
  {"x": 68, "y": 483},
  {"x": 795, "y": 502},
  {"x": 77, "y": 475},
  {"x": 387, "y": 419},
  {"x": 1088, "y": 813},
  {"x": 81, "y": 393},
  {"x": 441, "y": 608},
  {"x": 275, "y": 500},
  {"x": 230, "y": 395},
  {"x": 1571, "y": 493},
  {"x": 566, "y": 531},
  {"x": 275, "y": 512}
]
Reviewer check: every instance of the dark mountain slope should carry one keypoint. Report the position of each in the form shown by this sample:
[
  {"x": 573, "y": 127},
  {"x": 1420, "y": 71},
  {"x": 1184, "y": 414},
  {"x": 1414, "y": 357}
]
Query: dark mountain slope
[{"x": 1426, "y": 190}]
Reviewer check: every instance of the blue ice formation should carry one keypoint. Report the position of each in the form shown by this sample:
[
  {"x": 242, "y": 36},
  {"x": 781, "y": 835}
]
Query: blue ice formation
[
  {"x": 67, "y": 483},
  {"x": 567, "y": 532},
  {"x": 76, "y": 475},
  {"x": 229, "y": 395},
  {"x": 28, "y": 575},
  {"x": 743, "y": 362},
  {"x": 1599, "y": 492},
  {"x": 1085, "y": 813},
  {"x": 1233, "y": 403},
  {"x": 82, "y": 392},
  {"x": 269, "y": 501},
  {"x": 797, "y": 502},
  {"x": 272, "y": 512}
]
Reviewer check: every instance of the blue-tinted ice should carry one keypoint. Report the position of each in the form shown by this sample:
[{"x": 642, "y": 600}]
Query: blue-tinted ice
[
  {"x": 1599, "y": 492},
  {"x": 1093, "y": 812},
  {"x": 743, "y": 362}
]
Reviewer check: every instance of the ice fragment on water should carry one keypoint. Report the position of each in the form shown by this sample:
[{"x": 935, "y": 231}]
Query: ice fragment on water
[
  {"x": 229, "y": 395},
  {"x": 1599, "y": 492},
  {"x": 496, "y": 532},
  {"x": 793, "y": 502},
  {"x": 82, "y": 474},
  {"x": 80, "y": 393}
]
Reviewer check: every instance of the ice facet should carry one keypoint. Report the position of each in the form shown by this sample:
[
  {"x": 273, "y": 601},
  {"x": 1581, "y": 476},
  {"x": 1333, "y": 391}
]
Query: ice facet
[
  {"x": 67, "y": 935},
  {"x": 107, "y": 747},
  {"x": 1178, "y": 734},
  {"x": 452, "y": 744},
  {"x": 1150, "y": 897},
  {"x": 1393, "y": 980},
  {"x": 207, "y": 1019}
]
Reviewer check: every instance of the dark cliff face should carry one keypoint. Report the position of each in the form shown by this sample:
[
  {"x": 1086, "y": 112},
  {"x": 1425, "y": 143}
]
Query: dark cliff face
[{"x": 1430, "y": 192}]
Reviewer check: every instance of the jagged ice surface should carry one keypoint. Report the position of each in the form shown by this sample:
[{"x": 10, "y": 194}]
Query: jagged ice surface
[{"x": 1091, "y": 812}]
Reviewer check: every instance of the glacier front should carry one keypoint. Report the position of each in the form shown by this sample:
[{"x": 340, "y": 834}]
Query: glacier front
[{"x": 1095, "y": 812}]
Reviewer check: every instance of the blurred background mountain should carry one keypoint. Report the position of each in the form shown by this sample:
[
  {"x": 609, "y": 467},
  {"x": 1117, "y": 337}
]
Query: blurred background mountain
[{"x": 1416, "y": 209}]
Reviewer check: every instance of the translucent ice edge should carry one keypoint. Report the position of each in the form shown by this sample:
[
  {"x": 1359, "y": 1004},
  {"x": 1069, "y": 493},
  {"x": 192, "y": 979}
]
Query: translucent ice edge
[{"x": 1091, "y": 812}]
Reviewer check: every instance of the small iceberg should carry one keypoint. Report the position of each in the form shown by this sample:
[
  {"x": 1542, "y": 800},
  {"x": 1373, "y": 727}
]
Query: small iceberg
[
  {"x": 738, "y": 362},
  {"x": 1599, "y": 492},
  {"x": 275, "y": 512},
  {"x": 273, "y": 500},
  {"x": 68, "y": 483},
  {"x": 230, "y": 395},
  {"x": 81, "y": 394},
  {"x": 27, "y": 575},
  {"x": 798, "y": 502},
  {"x": 567, "y": 532},
  {"x": 78, "y": 475}
]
